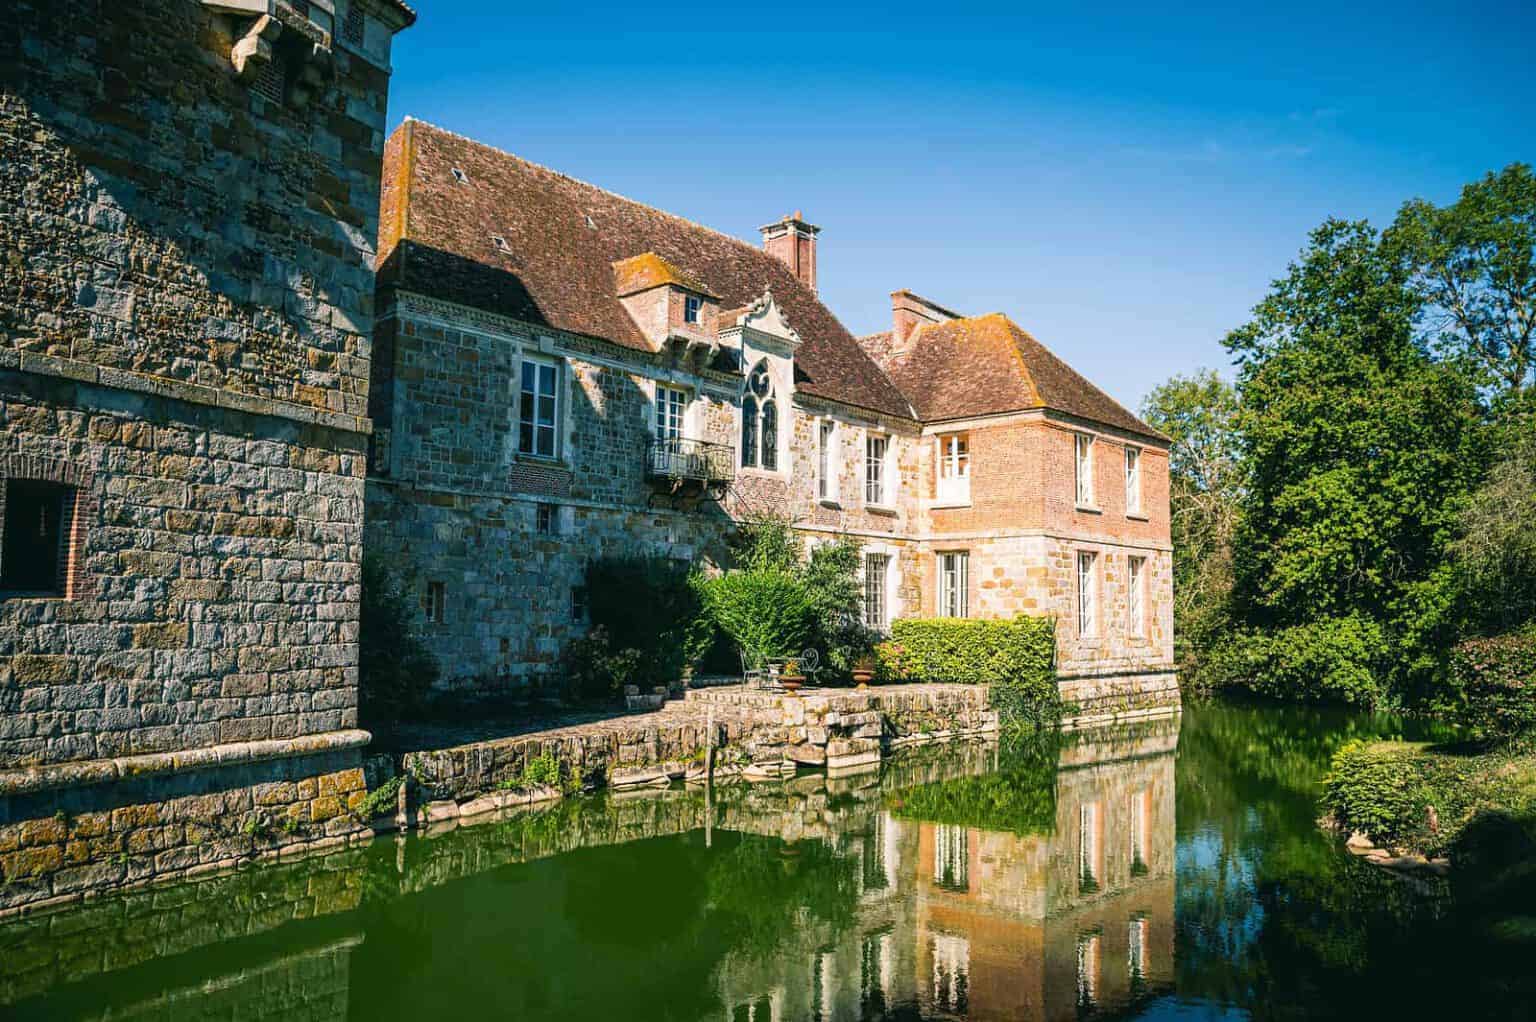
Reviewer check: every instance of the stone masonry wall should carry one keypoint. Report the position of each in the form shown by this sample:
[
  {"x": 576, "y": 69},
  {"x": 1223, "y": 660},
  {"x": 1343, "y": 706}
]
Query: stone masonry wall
[
  {"x": 222, "y": 573},
  {"x": 184, "y": 223}
]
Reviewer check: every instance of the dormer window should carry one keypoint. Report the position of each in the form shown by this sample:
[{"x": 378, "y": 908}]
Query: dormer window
[
  {"x": 691, "y": 306},
  {"x": 459, "y": 176}
]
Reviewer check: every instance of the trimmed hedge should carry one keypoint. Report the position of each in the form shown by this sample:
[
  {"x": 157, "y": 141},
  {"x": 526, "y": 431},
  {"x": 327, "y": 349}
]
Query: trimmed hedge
[
  {"x": 968, "y": 651},
  {"x": 1496, "y": 682},
  {"x": 1016, "y": 659}
]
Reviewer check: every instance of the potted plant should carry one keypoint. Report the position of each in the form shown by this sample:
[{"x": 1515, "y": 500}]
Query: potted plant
[
  {"x": 791, "y": 678},
  {"x": 863, "y": 671}
]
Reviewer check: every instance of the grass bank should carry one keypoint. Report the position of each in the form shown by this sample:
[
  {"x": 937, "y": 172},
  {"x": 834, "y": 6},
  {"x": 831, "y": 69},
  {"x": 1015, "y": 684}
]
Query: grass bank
[{"x": 1470, "y": 803}]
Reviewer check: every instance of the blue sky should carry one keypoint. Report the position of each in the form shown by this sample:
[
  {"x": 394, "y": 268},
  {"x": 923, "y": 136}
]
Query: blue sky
[{"x": 1123, "y": 182}]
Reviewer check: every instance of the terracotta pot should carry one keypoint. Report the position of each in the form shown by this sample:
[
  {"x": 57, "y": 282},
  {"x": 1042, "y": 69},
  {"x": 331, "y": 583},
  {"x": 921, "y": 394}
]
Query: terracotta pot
[{"x": 791, "y": 682}]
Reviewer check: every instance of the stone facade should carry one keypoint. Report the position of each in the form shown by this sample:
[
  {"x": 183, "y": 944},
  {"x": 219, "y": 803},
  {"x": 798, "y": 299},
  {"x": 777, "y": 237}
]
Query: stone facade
[
  {"x": 186, "y": 307},
  {"x": 501, "y": 534}
]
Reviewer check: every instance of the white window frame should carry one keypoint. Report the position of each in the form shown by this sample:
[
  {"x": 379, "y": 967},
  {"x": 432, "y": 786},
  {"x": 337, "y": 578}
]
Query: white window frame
[
  {"x": 1087, "y": 594},
  {"x": 434, "y": 603},
  {"x": 828, "y": 462},
  {"x": 954, "y": 583},
  {"x": 554, "y": 425},
  {"x": 953, "y": 470},
  {"x": 693, "y": 309},
  {"x": 1136, "y": 595},
  {"x": 670, "y": 400},
  {"x": 1082, "y": 456},
  {"x": 880, "y": 589},
  {"x": 877, "y": 471},
  {"x": 1132, "y": 480}
]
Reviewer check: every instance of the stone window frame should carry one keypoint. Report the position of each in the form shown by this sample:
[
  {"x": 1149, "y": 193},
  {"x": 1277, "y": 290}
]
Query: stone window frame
[
  {"x": 1089, "y": 617},
  {"x": 74, "y": 582},
  {"x": 829, "y": 461},
  {"x": 1136, "y": 595},
  {"x": 878, "y": 471},
  {"x": 961, "y": 589}
]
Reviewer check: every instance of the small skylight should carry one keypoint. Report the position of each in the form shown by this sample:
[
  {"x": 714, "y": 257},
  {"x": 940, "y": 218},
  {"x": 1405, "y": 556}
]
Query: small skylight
[
  {"x": 500, "y": 243},
  {"x": 459, "y": 176},
  {"x": 590, "y": 222}
]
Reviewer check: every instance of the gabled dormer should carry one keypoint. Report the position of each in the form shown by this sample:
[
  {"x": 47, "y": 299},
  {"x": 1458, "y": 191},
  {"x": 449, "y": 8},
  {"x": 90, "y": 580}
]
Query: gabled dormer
[{"x": 666, "y": 302}]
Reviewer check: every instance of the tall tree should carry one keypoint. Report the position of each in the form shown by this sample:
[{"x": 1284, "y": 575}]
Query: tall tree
[
  {"x": 1473, "y": 265},
  {"x": 1358, "y": 450},
  {"x": 1197, "y": 413}
]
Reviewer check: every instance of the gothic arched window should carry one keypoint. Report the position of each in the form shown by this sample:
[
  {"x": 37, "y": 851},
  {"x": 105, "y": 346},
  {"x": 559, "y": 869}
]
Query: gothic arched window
[{"x": 759, "y": 420}]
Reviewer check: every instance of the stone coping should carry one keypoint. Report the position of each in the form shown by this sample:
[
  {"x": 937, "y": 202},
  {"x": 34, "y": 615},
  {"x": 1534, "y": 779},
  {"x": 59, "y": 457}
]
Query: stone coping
[
  {"x": 104, "y": 771},
  {"x": 193, "y": 393}
]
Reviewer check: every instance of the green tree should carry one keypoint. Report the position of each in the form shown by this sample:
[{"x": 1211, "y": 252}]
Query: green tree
[
  {"x": 1494, "y": 552},
  {"x": 1472, "y": 264},
  {"x": 1358, "y": 452},
  {"x": 1197, "y": 413}
]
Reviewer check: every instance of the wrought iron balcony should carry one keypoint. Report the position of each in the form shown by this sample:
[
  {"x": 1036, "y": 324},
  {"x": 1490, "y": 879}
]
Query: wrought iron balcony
[{"x": 690, "y": 461}]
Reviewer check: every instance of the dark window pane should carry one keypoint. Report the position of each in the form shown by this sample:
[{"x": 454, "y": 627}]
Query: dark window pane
[
  {"x": 748, "y": 433},
  {"x": 770, "y": 435},
  {"x": 31, "y": 560}
]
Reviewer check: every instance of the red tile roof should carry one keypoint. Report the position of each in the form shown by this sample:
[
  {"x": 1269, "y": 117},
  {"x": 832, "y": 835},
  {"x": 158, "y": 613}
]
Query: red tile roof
[
  {"x": 986, "y": 365},
  {"x": 563, "y": 237},
  {"x": 648, "y": 270}
]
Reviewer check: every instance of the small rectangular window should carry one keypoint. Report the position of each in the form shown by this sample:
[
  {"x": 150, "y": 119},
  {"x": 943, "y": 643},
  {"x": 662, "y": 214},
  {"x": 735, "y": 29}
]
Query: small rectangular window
[
  {"x": 1087, "y": 594},
  {"x": 1084, "y": 470},
  {"x": 538, "y": 409},
  {"x": 434, "y": 603},
  {"x": 691, "y": 306},
  {"x": 876, "y": 448},
  {"x": 578, "y": 604},
  {"x": 35, "y": 545},
  {"x": 954, "y": 584},
  {"x": 1135, "y": 601},
  {"x": 875, "y": 575},
  {"x": 1133, "y": 480},
  {"x": 954, "y": 469},
  {"x": 671, "y": 410},
  {"x": 546, "y": 518}
]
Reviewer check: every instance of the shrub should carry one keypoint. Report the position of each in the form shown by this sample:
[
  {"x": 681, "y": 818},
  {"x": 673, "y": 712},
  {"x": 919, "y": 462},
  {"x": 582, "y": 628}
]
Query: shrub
[
  {"x": 648, "y": 605},
  {"x": 765, "y": 611},
  {"x": 395, "y": 670},
  {"x": 594, "y": 670},
  {"x": 968, "y": 651},
  {"x": 1374, "y": 787},
  {"x": 1495, "y": 683},
  {"x": 831, "y": 577}
]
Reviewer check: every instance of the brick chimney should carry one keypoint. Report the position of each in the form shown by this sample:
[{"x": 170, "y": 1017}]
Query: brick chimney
[
  {"x": 793, "y": 240},
  {"x": 910, "y": 311}
]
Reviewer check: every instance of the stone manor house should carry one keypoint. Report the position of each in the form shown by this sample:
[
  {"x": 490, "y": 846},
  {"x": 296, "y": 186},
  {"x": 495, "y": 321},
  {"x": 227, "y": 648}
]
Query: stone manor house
[
  {"x": 243, "y": 335},
  {"x": 560, "y": 373}
]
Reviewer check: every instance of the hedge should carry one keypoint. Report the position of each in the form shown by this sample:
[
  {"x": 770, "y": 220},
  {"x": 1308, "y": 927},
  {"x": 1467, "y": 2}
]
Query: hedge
[
  {"x": 1495, "y": 681},
  {"x": 1016, "y": 659},
  {"x": 968, "y": 650}
]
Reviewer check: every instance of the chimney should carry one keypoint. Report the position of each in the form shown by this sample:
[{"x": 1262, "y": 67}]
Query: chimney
[
  {"x": 910, "y": 311},
  {"x": 793, "y": 241}
]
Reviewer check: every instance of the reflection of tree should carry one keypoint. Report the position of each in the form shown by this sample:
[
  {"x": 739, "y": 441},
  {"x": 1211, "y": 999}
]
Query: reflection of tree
[
  {"x": 762, "y": 891},
  {"x": 1273, "y": 918},
  {"x": 1019, "y": 798}
]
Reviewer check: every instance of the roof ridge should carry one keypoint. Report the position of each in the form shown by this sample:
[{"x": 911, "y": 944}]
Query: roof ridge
[{"x": 586, "y": 184}]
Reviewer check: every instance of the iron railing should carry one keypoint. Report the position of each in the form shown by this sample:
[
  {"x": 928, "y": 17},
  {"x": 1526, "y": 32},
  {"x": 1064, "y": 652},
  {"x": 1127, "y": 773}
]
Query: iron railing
[{"x": 690, "y": 459}]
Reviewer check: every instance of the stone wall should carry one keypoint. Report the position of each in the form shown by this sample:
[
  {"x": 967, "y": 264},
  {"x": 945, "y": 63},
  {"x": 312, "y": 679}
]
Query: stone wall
[
  {"x": 185, "y": 314},
  {"x": 157, "y": 817},
  {"x": 185, "y": 223}
]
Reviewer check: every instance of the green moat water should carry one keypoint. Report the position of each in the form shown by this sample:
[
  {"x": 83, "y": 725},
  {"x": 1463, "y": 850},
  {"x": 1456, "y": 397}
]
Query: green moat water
[{"x": 1171, "y": 870}]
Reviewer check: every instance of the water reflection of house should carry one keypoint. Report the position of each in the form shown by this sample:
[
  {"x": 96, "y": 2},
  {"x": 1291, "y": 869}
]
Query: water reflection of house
[{"x": 962, "y": 922}]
